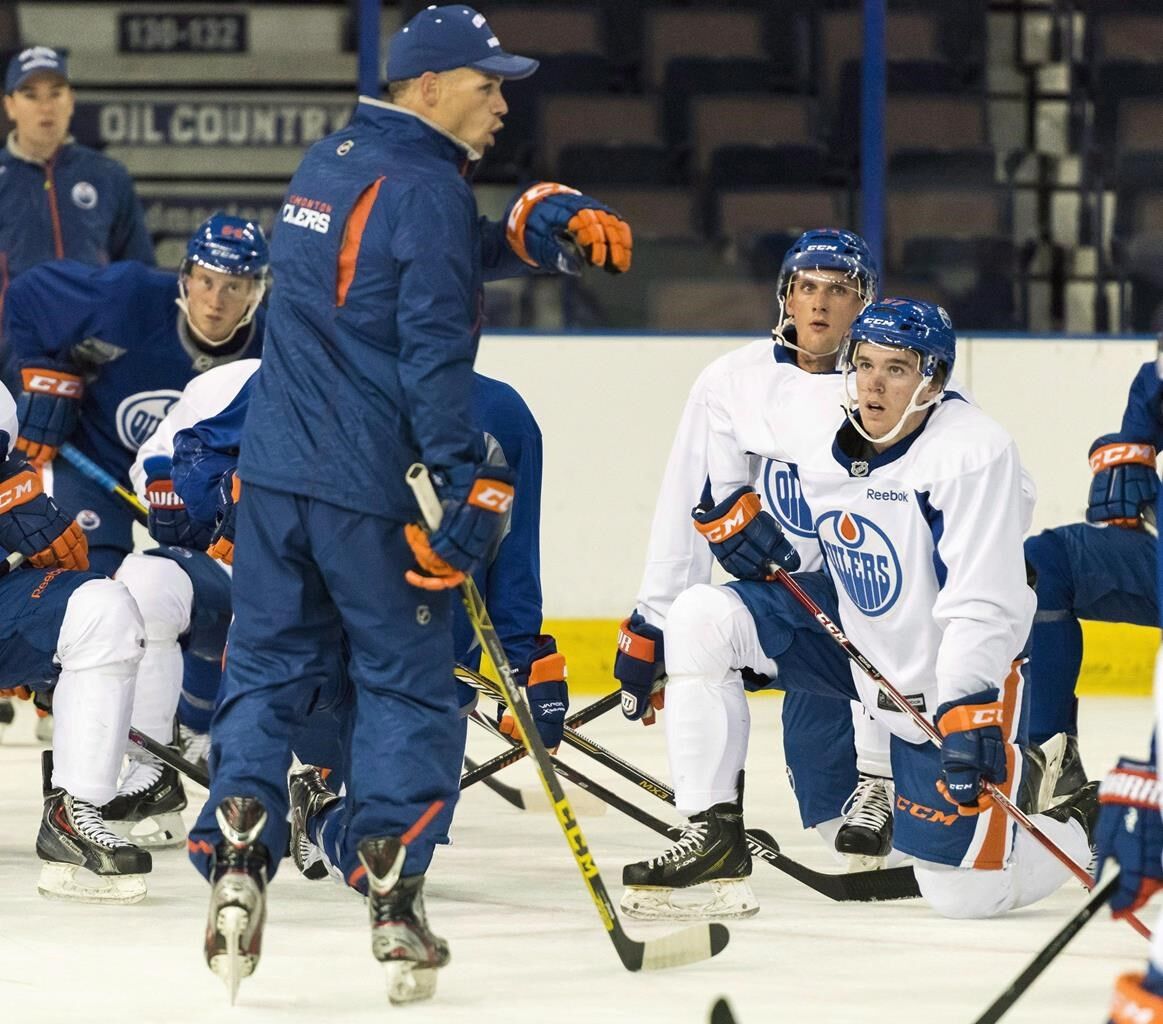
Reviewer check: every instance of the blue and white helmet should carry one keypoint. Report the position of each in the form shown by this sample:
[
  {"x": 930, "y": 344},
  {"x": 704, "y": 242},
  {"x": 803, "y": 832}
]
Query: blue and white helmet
[
  {"x": 832, "y": 249},
  {"x": 229, "y": 245},
  {"x": 921, "y": 327}
]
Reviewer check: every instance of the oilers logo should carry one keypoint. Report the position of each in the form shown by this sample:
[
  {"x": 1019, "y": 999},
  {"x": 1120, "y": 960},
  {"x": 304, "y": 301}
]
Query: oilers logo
[
  {"x": 139, "y": 415},
  {"x": 785, "y": 498},
  {"x": 862, "y": 558}
]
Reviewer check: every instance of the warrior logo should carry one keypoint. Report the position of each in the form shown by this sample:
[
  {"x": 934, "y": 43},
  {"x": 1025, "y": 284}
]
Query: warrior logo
[
  {"x": 785, "y": 498},
  {"x": 138, "y": 415},
  {"x": 863, "y": 559}
]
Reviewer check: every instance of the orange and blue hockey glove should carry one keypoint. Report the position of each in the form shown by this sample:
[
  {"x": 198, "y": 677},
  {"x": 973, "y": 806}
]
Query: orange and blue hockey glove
[
  {"x": 32, "y": 524},
  {"x": 973, "y": 749},
  {"x": 744, "y": 537},
  {"x": 48, "y": 409},
  {"x": 547, "y": 694},
  {"x": 549, "y": 225},
  {"x": 1124, "y": 480}
]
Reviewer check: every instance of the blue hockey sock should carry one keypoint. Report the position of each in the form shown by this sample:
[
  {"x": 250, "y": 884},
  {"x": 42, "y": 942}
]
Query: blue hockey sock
[
  {"x": 1055, "y": 641},
  {"x": 1154, "y": 980},
  {"x": 200, "y": 679}
]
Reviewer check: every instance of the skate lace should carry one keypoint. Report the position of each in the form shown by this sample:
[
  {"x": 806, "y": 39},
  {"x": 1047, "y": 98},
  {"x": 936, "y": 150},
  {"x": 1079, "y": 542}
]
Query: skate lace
[
  {"x": 139, "y": 778},
  {"x": 88, "y": 822},
  {"x": 693, "y": 835},
  {"x": 195, "y": 746},
  {"x": 869, "y": 805}
]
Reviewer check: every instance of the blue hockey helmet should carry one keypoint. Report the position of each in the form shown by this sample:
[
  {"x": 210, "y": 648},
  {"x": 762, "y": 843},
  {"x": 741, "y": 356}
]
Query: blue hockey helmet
[
  {"x": 923, "y": 327},
  {"x": 831, "y": 249},
  {"x": 229, "y": 245}
]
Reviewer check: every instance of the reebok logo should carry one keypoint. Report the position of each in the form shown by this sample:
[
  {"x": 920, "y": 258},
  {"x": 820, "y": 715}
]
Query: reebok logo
[{"x": 874, "y": 495}]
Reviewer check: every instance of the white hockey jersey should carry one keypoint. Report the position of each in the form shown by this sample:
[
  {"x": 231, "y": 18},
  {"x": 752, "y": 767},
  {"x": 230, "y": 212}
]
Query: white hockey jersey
[
  {"x": 205, "y": 396},
  {"x": 924, "y": 543},
  {"x": 677, "y": 557},
  {"x": 8, "y": 420}
]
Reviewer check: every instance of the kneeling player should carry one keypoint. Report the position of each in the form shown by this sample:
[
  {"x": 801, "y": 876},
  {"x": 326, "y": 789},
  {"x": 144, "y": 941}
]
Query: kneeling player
[
  {"x": 918, "y": 506},
  {"x": 81, "y": 632}
]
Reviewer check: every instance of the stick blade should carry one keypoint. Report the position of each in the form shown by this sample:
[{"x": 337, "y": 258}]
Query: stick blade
[{"x": 686, "y": 946}]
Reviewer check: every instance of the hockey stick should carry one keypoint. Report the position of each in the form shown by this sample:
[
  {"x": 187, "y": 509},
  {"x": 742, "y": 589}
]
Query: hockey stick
[
  {"x": 860, "y": 886},
  {"x": 170, "y": 757},
  {"x": 515, "y": 754},
  {"x": 510, "y": 794},
  {"x": 10, "y": 563},
  {"x": 686, "y": 946},
  {"x": 87, "y": 467},
  {"x": 721, "y": 1012},
  {"x": 1035, "y": 967},
  {"x": 930, "y": 730}
]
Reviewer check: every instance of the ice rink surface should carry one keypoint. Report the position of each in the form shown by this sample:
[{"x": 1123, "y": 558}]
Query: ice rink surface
[{"x": 527, "y": 944}]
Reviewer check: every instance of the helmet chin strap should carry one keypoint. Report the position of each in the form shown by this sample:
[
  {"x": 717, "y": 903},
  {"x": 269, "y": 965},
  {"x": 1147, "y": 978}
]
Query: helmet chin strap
[
  {"x": 851, "y": 406},
  {"x": 183, "y": 303}
]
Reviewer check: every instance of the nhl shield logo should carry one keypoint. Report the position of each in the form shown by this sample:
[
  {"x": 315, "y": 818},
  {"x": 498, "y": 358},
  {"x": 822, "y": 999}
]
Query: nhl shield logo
[
  {"x": 785, "y": 498},
  {"x": 138, "y": 415},
  {"x": 862, "y": 559}
]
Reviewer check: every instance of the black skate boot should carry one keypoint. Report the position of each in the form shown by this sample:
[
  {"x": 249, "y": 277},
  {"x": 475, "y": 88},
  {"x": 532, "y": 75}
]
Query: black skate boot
[
  {"x": 865, "y": 838},
  {"x": 238, "y": 897},
  {"x": 148, "y": 805},
  {"x": 1081, "y": 806},
  {"x": 1072, "y": 776},
  {"x": 309, "y": 796},
  {"x": 84, "y": 861},
  {"x": 401, "y": 938},
  {"x": 712, "y": 849}
]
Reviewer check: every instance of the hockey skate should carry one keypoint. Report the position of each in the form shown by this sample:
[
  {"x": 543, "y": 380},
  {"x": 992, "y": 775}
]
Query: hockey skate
[
  {"x": 194, "y": 746},
  {"x": 712, "y": 850},
  {"x": 148, "y": 805},
  {"x": 865, "y": 837},
  {"x": 309, "y": 796},
  {"x": 1081, "y": 806},
  {"x": 1043, "y": 769},
  {"x": 401, "y": 938},
  {"x": 84, "y": 861},
  {"x": 238, "y": 897},
  {"x": 44, "y": 727},
  {"x": 1072, "y": 776}
]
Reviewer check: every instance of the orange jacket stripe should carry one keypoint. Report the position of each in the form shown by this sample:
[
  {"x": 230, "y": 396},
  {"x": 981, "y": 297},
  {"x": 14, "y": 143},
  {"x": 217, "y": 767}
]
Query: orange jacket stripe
[
  {"x": 352, "y": 239},
  {"x": 992, "y": 855}
]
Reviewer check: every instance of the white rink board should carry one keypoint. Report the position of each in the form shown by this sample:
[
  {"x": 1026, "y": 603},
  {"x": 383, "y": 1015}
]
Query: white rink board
[
  {"x": 527, "y": 945},
  {"x": 608, "y": 407}
]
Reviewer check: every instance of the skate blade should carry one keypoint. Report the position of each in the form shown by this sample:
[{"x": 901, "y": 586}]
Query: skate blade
[
  {"x": 74, "y": 883},
  {"x": 729, "y": 899},
  {"x": 408, "y": 983},
  {"x": 1054, "y": 751},
  {"x": 232, "y": 966},
  {"x": 156, "y": 832},
  {"x": 856, "y": 863}
]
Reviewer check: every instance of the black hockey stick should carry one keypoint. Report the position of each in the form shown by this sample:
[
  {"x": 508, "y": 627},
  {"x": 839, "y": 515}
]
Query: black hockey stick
[
  {"x": 682, "y": 947},
  {"x": 861, "y": 886},
  {"x": 901, "y": 702},
  {"x": 170, "y": 756},
  {"x": 1023, "y": 981},
  {"x": 103, "y": 478},
  {"x": 514, "y": 754},
  {"x": 510, "y": 794},
  {"x": 721, "y": 1012}
]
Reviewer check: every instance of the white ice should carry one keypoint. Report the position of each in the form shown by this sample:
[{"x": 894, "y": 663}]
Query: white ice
[{"x": 527, "y": 944}]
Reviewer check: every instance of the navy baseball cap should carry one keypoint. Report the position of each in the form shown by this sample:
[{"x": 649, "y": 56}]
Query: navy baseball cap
[
  {"x": 33, "y": 61},
  {"x": 443, "y": 38}
]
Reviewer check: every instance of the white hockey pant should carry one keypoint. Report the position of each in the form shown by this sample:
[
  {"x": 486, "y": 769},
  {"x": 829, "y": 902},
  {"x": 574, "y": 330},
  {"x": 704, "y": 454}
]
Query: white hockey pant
[{"x": 100, "y": 644}]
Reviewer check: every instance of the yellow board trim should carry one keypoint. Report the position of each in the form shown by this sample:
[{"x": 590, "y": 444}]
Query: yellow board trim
[{"x": 1118, "y": 660}]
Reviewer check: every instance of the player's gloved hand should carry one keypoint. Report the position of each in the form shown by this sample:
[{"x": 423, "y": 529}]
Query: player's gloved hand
[
  {"x": 552, "y": 226},
  {"x": 1130, "y": 831},
  {"x": 745, "y": 538},
  {"x": 1124, "y": 480},
  {"x": 31, "y": 522},
  {"x": 169, "y": 520},
  {"x": 19, "y": 692},
  {"x": 48, "y": 409},
  {"x": 476, "y": 501},
  {"x": 1138, "y": 999},
  {"x": 640, "y": 667},
  {"x": 547, "y": 695},
  {"x": 222, "y": 539},
  {"x": 973, "y": 749}
]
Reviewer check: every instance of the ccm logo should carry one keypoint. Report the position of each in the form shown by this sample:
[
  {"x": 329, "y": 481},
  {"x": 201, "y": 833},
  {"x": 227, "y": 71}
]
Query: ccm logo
[
  {"x": 1117, "y": 454},
  {"x": 19, "y": 494},
  {"x": 493, "y": 496},
  {"x": 65, "y": 387},
  {"x": 728, "y": 525},
  {"x": 987, "y": 716}
]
